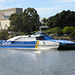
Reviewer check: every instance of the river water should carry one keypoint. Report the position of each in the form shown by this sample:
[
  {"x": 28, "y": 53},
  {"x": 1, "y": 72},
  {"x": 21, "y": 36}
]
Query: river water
[{"x": 32, "y": 62}]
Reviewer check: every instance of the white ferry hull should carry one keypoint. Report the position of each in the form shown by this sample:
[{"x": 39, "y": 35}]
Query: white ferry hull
[
  {"x": 30, "y": 45},
  {"x": 47, "y": 45}
]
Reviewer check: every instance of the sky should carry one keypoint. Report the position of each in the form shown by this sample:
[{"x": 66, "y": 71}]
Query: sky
[{"x": 45, "y": 8}]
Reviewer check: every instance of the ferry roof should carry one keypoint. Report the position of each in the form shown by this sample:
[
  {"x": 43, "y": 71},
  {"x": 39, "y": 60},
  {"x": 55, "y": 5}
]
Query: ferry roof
[{"x": 25, "y": 36}]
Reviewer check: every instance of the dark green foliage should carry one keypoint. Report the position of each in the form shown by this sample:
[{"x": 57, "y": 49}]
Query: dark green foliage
[
  {"x": 63, "y": 19},
  {"x": 72, "y": 35},
  {"x": 55, "y": 30},
  {"x": 68, "y": 30},
  {"x": 26, "y": 22},
  {"x": 4, "y": 35},
  {"x": 15, "y": 22},
  {"x": 44, "y": 21},
  {"x": 30, "y": 20}
]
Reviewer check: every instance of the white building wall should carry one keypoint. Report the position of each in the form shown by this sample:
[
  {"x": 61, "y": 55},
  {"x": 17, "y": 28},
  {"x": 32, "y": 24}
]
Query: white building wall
[
  {"x": 4, "y": 17},
  {"x": 5, "y": 24}
]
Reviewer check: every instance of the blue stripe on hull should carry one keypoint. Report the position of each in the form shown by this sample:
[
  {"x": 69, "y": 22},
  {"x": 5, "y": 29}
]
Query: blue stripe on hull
[
  {"x": 3, "y": 46},
  {"x": 18, "y": 44},
  {"x": 26, "y": 42}
]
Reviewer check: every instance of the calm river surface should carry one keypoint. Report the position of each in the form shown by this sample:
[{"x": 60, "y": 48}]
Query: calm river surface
[{"x": 31, "y": 62}]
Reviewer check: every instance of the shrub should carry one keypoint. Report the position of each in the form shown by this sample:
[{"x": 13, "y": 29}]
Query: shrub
[
  {"x": 68, "y": 30},
  {"x": 4, "y": 35},
  {"x": 72, "y": 35}
]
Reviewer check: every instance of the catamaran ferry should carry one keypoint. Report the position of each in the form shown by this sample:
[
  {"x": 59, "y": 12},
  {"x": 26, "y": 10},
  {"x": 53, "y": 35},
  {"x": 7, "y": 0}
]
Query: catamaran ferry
[{"x": 34, "y": 41}]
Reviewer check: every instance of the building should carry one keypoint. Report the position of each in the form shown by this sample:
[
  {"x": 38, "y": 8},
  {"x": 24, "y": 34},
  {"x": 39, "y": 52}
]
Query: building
[{"x": 5, "y": 14}]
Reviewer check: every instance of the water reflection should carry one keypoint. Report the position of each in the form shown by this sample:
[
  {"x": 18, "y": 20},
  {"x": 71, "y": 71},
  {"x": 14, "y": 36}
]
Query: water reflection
[{"x": 32, "y": 62}]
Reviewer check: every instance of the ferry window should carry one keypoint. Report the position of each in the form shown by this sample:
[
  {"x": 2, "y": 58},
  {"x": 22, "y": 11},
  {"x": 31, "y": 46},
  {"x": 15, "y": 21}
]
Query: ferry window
[
  {"x": 40, "y": 38},
  {"x": 20, "y": 39},
  {"x": 25, "y": 39}
]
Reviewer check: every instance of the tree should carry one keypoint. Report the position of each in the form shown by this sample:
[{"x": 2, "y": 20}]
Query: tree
[
  {"x": 30, "y": 20},
  {"x": 44, "y": 20},
  {"x": 4, "y": 35},
  {"x": 55, "y": 30},
  {"x": 68, "y": 30},
  {"x": 26, "y": 22},
  {"x": 72, "y": 35},
  {"x": 15, "y": 22},
  {"x": 62, "y": 19}
]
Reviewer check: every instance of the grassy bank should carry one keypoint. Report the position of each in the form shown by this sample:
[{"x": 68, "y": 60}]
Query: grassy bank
[{"x": 63, "y": 37}]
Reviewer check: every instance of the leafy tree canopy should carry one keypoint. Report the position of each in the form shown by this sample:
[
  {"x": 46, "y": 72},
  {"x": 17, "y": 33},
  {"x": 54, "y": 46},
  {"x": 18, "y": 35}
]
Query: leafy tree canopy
[
  {"x": 15, "y": 22},
  {"x": 68, "y": 30},
  {"x": 55, "y": 30},
  {"x": 72, "y": 35},
  {"x": 30, "y": 20},
  {"x": 62, "y": 19},
  {"x": 44, "y": 20},
  {"x": 26, "y": 22},
  {"x": 4, "y": 35}
]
